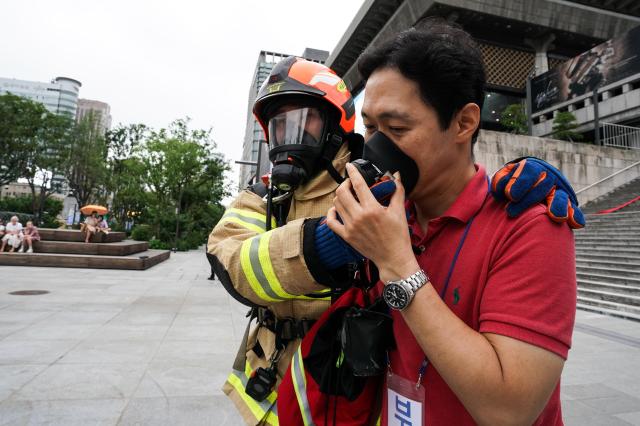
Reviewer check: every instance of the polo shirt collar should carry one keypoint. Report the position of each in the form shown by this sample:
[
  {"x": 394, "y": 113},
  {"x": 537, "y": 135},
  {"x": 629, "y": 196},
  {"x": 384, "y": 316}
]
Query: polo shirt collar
[
  {"x": 468, "y": 202},
  {"x": 471, "y": 198}
]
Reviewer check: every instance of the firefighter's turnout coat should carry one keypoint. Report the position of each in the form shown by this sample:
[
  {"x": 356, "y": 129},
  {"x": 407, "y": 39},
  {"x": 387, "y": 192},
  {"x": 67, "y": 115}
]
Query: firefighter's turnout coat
[{"x": 278, "y": 270}]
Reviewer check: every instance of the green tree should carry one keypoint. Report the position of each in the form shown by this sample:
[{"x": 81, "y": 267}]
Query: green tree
[
  {"x": 125, "y": 178},
  {"x": 564, "y": 125},
  {"x": 514, "y": 118},
  {"x": 46, "y": 159},
  {"x": 85, "y": 160},
  {"x": 32, "y": 140},
  {"x": 23, "y": 125},
  {"x": 128, "y": 189},
  {"x": 24, "y": 204},
  {"x": 182, "y": 171}
]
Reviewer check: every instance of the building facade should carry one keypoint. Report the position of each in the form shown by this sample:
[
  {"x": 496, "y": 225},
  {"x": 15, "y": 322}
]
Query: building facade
[
  {"x": 254, "y": 148},
  {"x": 60, "y": 96},
  {"x": 518, "y": 39},
  {"x": 101, "y": 110},
  {"x": 600, "y": 88},
  {"x": 16, "y": 189}
]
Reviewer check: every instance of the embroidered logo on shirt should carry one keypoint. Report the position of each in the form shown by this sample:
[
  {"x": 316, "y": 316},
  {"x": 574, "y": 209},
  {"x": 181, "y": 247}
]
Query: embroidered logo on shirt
[{"x": 456, "y": 295}]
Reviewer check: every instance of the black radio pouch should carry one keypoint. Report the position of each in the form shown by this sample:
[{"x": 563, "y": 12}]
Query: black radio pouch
[
  {"x": 261, "y": 383},
  {"x": 366, "y": 336}
]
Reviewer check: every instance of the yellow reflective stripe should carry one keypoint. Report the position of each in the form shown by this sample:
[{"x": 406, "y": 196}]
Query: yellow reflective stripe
[
  {"x": 250, "y": 214},
  {"x": 267, "y": 268},
  {"x": 300, "y": 387},
  {"x": 324, "y": 292},
  {"x": 252, "y": 404},
  {"x": 272, "y": 419},
  {"x": 247, "y": 225},
  {"x": 247, "y": 268},
  {"x": 255, "y": 260},
  {"x": 248, "y": 219},
  {"x": 379, "y": 420},
  {"x": 263, "y": 411}
]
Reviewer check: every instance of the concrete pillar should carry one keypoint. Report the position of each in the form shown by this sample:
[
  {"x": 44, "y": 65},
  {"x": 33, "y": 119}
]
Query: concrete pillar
[
  {"x": 587, "y": 102},
  {"x": 571, "y": 108},
  {"x": 541, "y": 45},
  {"x": 606, "y": 95},
  {"x": 626, "y": 88}
]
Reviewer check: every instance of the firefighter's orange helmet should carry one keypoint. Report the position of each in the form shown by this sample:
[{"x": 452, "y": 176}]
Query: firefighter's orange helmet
[{"x": 297, "y": 77}]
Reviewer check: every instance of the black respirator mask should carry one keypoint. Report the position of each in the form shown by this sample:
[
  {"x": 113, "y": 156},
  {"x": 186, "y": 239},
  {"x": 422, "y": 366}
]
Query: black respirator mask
[
  {"x": 387, "y": 157},
  {"x": 296, "y": 145}
]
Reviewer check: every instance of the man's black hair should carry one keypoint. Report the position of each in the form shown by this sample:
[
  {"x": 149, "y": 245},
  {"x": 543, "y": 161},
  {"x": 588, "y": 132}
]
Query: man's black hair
[{"x": 441, "y": 58}]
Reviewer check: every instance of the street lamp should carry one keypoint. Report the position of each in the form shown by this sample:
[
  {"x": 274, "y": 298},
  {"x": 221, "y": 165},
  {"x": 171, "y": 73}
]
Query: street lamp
[
  {"x": 72, "y": 194},
  {"x": 255, "y": 163}
]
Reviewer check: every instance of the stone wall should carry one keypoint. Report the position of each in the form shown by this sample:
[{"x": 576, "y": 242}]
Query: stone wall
[{"x": 583, "y": 164}]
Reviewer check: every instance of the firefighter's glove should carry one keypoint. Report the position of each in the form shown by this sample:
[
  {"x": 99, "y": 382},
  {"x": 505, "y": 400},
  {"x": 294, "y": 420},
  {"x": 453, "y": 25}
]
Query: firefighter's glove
[
  {"x": 332, "y": 250},
  {"x": 527, "y": 181}
]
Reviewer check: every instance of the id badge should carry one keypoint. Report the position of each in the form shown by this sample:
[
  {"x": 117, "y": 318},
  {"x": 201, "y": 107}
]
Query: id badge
[{"x": 405, "y": 403}]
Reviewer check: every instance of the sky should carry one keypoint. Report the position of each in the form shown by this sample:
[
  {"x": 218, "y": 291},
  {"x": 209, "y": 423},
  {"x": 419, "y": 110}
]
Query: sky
[{"x": 155, "y": 61}]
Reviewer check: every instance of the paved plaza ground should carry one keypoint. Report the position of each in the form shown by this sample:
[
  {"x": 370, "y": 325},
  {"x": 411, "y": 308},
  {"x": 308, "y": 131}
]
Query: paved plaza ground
[{"x": 153, "y": 347}]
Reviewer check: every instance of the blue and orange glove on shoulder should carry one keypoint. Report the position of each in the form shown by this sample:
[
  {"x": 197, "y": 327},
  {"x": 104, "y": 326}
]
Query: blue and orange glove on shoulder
[
  {"x": 332, "y": 250},
  {"x": 529, "y": 180}
]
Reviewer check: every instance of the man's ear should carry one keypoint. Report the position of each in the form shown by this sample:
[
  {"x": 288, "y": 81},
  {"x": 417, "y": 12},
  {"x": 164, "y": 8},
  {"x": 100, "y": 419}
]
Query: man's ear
[{"x": 468, "y": 120}]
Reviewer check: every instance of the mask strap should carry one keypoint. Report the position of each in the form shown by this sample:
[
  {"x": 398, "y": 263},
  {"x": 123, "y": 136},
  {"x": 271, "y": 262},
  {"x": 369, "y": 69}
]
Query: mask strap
[{"x": 329, "y": 153}]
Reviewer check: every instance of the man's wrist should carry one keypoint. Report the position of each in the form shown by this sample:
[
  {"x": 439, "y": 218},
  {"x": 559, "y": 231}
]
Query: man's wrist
[{"x": 399, "y": 270}]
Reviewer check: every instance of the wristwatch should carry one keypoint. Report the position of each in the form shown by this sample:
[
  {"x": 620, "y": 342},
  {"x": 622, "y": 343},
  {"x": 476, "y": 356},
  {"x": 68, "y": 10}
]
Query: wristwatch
[{"x": 399, "y": 294}]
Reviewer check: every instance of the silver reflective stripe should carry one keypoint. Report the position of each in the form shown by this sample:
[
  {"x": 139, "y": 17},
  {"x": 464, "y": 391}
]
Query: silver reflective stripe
[
  {"x": 254, "y": 258},
  {"x": 251, "y": 220},
  {"x": 300, "y": 387}
]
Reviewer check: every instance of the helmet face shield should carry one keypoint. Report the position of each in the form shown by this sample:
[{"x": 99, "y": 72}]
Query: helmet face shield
[{"x": 296, "y": 126}]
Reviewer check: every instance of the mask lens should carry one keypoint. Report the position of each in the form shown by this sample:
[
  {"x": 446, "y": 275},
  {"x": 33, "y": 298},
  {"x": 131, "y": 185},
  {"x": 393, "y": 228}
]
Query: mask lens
[{"x": 296, "y": 126}]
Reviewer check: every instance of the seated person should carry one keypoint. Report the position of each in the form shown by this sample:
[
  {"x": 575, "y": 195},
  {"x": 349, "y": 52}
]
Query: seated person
[
  {"x": 103, "y": 226},
  {"x": 1, "y": 228},
  {"x": 31, "y": 234},
  {"x": 13, "y": 234},
  {"x": 90, "y": 226}
]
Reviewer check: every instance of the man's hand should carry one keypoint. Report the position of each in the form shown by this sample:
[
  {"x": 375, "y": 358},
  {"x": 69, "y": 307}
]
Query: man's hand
[
  {"x": 332, "y": 250},
  {"x": 379, "y": 233}
]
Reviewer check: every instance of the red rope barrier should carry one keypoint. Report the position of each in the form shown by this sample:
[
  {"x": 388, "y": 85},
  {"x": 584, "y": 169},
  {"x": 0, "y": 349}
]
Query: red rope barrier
[{"x": 621, "y": 206}]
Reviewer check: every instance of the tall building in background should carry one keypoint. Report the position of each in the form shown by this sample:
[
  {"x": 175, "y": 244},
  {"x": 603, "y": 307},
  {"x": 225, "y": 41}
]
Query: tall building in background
[
  {"x": 253, "y": 132},
  {"x": 102, "y": 110},
  {"x": 60, "y": 96}
]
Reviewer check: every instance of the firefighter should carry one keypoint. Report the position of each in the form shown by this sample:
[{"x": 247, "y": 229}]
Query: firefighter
[
  {"x": 272, "y": 250},
  {"x": 263, "y": 249}
]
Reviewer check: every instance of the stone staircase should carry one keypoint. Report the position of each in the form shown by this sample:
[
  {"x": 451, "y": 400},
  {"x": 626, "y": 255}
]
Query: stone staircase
[
  {"x": 67, "y": 249},
  {"x": 608, "y": 255},
  {"x": 615, "y": 198}
]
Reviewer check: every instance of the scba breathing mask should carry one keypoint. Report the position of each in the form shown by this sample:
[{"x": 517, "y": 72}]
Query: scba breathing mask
[
  {"x": 383, "y": 157},
  {"x": 296, "y": 140}
]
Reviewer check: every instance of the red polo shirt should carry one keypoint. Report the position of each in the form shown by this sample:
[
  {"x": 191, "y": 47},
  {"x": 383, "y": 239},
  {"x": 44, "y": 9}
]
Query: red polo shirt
[{"x": 513, "y": 276}]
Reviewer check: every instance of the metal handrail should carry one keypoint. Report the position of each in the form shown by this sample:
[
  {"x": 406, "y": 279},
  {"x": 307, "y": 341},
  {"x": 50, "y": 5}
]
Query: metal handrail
[
  {"x": 620, "y": 136},
  {"x": 608, "y": 177}
]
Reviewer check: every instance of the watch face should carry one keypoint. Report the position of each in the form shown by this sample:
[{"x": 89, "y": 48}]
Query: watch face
[{"x": 395, "y": 296}]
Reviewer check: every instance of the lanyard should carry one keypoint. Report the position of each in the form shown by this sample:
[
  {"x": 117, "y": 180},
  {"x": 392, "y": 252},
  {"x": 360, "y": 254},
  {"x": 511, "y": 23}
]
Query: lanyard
[{"x": 443, "y": 293}]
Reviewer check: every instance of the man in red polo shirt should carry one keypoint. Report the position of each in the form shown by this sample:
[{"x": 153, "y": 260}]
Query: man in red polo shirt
[{"x": 483, "y": 314}]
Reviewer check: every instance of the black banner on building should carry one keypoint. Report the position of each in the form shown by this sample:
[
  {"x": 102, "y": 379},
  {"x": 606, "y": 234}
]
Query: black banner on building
[{"x": 606, "y": 63}]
